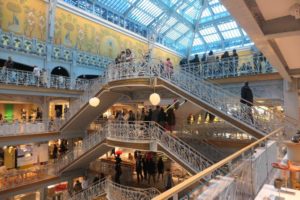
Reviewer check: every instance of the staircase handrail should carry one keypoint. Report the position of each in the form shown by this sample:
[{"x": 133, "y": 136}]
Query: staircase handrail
[
  {"x": 140, "y": 131},
  {"x": 110, "y": 188}
]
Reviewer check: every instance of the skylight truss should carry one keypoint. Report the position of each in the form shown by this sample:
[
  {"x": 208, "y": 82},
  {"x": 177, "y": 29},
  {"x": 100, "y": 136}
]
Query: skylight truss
[{"x": 216, "y": 29}]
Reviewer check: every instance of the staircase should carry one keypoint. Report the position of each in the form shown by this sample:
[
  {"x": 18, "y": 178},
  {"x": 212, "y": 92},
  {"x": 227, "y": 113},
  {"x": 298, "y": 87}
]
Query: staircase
[
  {"x": 114, "y": 191},
  {"x": 211, "y": 97},
  {"x": 135, "y": 135},
  {"x": 203, "y": 147}
]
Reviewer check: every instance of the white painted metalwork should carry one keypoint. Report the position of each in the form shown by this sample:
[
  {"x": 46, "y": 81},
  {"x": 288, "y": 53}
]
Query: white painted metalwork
[
  {"x": 27, "y": 78},
  {"x": 115, "y": 191},
  {"x": 257, "y": 117},
  {"x": 15, "y": 178},
  {"x": 29, "y": 128},
  {"x": 230, "y": 67},
  {"x": 138, "y": 132}
]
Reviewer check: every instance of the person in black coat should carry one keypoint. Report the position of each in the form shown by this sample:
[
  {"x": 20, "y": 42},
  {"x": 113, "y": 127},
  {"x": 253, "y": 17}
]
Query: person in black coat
[
  {"x": 160, "y": 168},
  {"x": 247, "y": 100},
  {"x": 171, "y": 121},
  {"x": 139, "y": 168},
  {"x": 151, "y": 170},
  {"x": 162, "y": 117}
]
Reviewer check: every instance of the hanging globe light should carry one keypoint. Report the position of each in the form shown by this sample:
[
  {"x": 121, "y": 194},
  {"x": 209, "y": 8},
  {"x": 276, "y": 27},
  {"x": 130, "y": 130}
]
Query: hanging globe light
[
  {"x": 95, "y": 101},
  {"x": 154, "y": 99}
]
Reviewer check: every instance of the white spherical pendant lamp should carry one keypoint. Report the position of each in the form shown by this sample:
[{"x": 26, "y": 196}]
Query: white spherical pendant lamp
[
  {"x": 154, "y": 99},
  {"x": 95, "y": 101}
]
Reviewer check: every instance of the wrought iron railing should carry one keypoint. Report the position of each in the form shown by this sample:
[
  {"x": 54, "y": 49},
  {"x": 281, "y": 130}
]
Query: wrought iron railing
[
  {"x": 230, "y": 67},
  {"x": 257, "y": 117},
  {"x": 15, "y": 178},
  {"x": 28, "y": 128},
  {"x": 139, "y": 131},
  {"x": 115, "y": 191},
  {"x": 250, "y": 168},
  {"x": 27, "y": 78}
]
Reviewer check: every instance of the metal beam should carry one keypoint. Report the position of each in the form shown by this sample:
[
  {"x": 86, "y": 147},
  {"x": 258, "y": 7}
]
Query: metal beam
[
  {"x": 216, "y": 27},
  {"x": 173, "y": 13},
  {"x": 182, "y": 36},
  {"x": 178, "y": 22},
  {"x": 125, "y": 14},
  {"x": 204, "y": 5}
]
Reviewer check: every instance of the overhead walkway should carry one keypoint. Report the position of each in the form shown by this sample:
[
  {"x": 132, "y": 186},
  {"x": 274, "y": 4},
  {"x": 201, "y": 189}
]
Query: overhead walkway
[
  {"x": 114, "y": 191},
  {"x": 138, "y": 135}
]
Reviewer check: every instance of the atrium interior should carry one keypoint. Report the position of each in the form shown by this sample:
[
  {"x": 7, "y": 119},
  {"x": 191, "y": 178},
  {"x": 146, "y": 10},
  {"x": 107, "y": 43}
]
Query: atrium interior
[{"x": 149, "y": 99}]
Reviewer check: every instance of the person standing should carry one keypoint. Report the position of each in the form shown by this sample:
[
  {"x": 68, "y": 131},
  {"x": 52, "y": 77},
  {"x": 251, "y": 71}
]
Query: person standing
[
  {"x": 169, "y": 68},
  {"x": 171, "y": 119},
  {"x": 160, "y": 168},
  {"x": 234, "y": 62},
  {"x": 151, "y": 170},
  {"x": 162, "y": 117},
  {"x": 247, "y": 101},
  {"x": 118, "y": 169},
  {"x": 169, "y": 180},
  {"x": 55, "y": 151},
  {"x": 155, "y": 114},
  {"x": 139, "y": 168},
  {"x": 85, "y": 183},
  {"x": 77, "y": 186},
  {"x": 36, "y": 74},
  {"x": 9, "y": 64},
  {"x": 145, "y": 167}
]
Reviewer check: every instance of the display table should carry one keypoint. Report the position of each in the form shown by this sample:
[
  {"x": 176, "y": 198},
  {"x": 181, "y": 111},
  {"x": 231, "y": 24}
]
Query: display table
[
  {"x": 270, "y": 192},
  {"x": 293, "y": 150}
]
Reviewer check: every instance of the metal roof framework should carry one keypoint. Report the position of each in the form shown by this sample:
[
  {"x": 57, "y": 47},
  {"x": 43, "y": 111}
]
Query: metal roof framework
[{"x": 185, "y": 31}]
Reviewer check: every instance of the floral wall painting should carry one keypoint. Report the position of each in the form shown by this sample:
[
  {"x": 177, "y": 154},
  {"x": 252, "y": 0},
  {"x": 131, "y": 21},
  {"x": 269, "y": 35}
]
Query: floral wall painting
[
  {"x": 14, "y": 24},
  {"x": 29, "y": 18},
  {"x": 67, "y": 37},
  {"x": 24, "y": 17},
  {"x": 111, "y": 47}
]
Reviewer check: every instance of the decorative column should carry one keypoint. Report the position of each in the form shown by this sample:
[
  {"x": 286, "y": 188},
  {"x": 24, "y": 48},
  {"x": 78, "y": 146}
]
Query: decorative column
[
  {"x": 291, "y": 101},
  {"x": 50, "y": 29}
]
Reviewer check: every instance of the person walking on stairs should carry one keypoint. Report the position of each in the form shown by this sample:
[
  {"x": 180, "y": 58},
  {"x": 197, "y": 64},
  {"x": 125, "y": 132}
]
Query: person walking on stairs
[{"x": 247, "y": 101}]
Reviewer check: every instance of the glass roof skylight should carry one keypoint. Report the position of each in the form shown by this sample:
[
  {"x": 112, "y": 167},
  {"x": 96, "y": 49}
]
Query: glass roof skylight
[{"x": 216, "y": 29}]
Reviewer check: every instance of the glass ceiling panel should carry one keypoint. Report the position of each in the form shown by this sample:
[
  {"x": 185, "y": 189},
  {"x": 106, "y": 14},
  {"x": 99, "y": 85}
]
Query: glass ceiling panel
[
  {"x": 141, "y": 16},
  {"x": 227, "y": 26},
  {"x": 231, "y": 34},
  {"x": 213, "y": 2},
  {"x": 217, "y": 29},
  {"x": 197, "y": 41},
  {"x": 118, "y": 5},
  {"x": 208, "y": 31},
  {"x": 218, "y": 9},
  {"x": 184, "y": 41},
  {"x": 173, "y": 34},
  {"x": 212, "y": 38},
  {"x": 181, "y": 28},
  {"x": 206, "y": 13}
]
